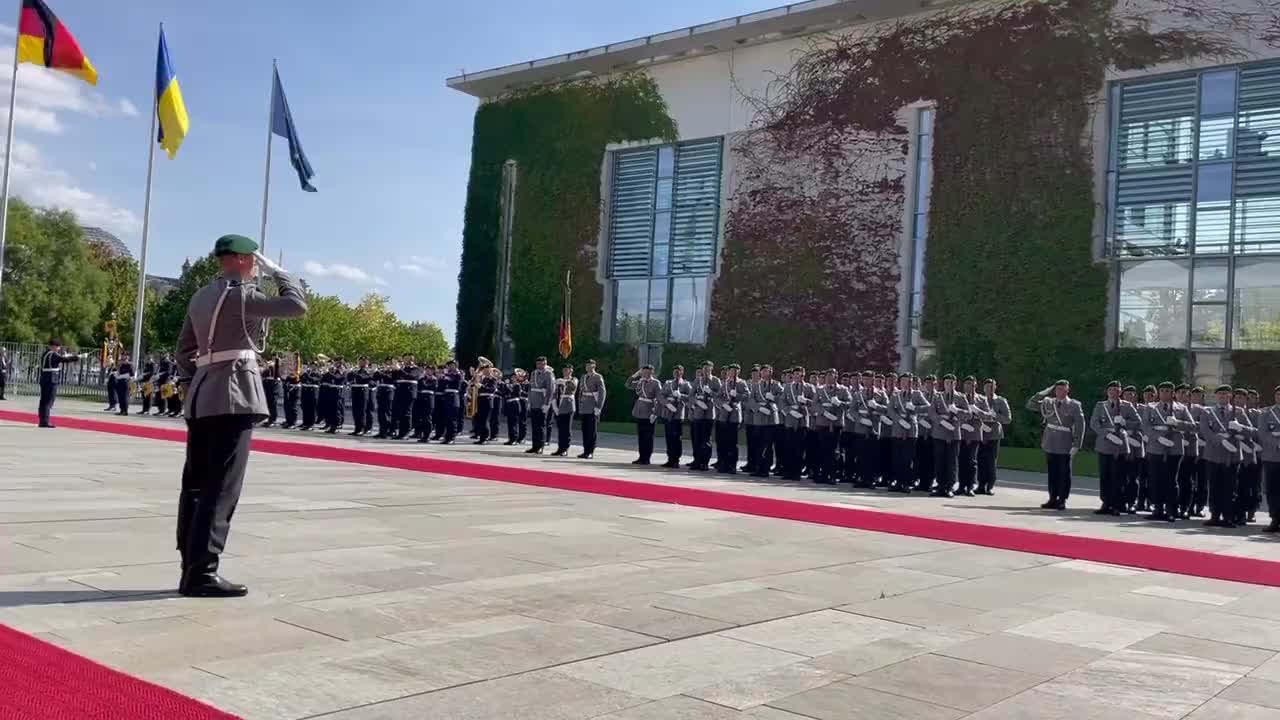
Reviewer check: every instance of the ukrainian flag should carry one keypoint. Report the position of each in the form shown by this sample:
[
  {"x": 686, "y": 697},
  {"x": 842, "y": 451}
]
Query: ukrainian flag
[{"x": 170, "y": 109}]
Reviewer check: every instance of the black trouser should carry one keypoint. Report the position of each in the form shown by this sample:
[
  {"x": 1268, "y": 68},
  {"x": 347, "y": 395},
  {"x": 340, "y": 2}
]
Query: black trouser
[
  {"x": 218, "y": 453},
  {"x": 766, "y": 438},
  {"x": 448, "y": 410},
  {"x": 175, "y": 403},
  {"x": 339, "y": 408},
  {"x": 4, "y": 380},
  {"x": 484, "y": 408},
  {"x": 564, "y": 432},
  {"x": 111, "y": 392},
  {"x": 422, "y": 414},
  {"x": 158, "y": 401},
  {"x": 924, "y": 463},
  {"x": 1248, "y": 490},
  {"x": 324, "y": 405},
  {"x": 1059, "y": 466},
  {"x": 308, "y": 406},
  {"x": 700, "y": 431},
  {"x": 495, "y": 415},
  {"x": 988, "y": 456},
  {"x": 48, "y": 393},
  {"x": 753, "y": 447},
  {"x": 726, "y": 446},
  {"x": 515, "y": 416},
  {"x": 290, "y": 405},
  {"x": 904, "y": 452},
  {"x": 369, "y": 402},
  {"x": 812, "y": 450},
  {"x": 1222, "y": 489},
  {"x": 1271, "y": 477},
  {"x": 523, "y": 419},
  {"x": 886, "y": 459},
  {"x": 122, "y": 395},
  {"x": 359, "y": 399},
  {"x": 1111, "y": 470},
  {"x": 849, "y": 452},
  {"x": 779, "y": 448},
  {"x": 1163, "y": 489},
  {"x": 673, "y": 430},
  {"x": 1133, "y": 468},
  {"x": 644, "y": 433},
  {"x": 1144, "y": 484},
  {"x": 946, "y": 459},
  {"x": 385, "y": 426},
  {"x": 538, "y": 418},
  {"x": 968, "y": 466},
  {"x": 1188, "y": 470},
  {"x": 868, "y": 460},
  {"x": 794, "y": 460},
  {"x": 401, "y": 404},
  {"x": 1200, "y": 496},
  {"x": 269, "y": 394},
  {"x": 828, "y": 442},
  {"x": 590, "y": 423}
]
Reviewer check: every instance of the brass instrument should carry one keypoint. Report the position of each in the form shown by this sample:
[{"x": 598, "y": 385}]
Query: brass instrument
[{"x": 166, "y": 390}]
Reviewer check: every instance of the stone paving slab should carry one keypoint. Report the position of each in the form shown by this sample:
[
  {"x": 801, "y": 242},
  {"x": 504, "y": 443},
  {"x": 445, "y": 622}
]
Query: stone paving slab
[{"x": 394, "y": 595}]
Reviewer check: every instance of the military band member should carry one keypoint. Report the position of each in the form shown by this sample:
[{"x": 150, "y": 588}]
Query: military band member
[
  {"x": 359, "y": 380},
  {"x": 830, "y": 401},
  {"x": 330, "y": 392},
  {"x": 1268, "y": 429},
  {"x": 733, "y": 390},
  {"x": 310, "y": 397},
  {"x": 112, "y": 397},
  {"x": 51, "y": 377},
  {"x": 1224, "y": 428},
  {"x": 146, "y": 388},
  {"x": 591, "y": 397},
  {"x": 644, "y": 411},
  {"x": 672, "y": 409},
  {"x": 406, "y": 379},
  {"x": 292, "y": 395},
  {"x": 970, "y": 439},
  {"x": 271, "y": 388},
  {"x": 486, "y": 401},
  {"x": 766, "y": 396},
  {"x": 216, "y": 350},
  {"x": 702, "y": 415},
  {"x": 542, "y": 384},
  {"x": 424, "y": 405},
  {"x": 163, "y": 370},
  {"x": 449, "y": 401},
  {"x": 512, "y": 406},
  {"x": 124, "y": 379},
  {"x": 1112, "y": 421},
  {"x": 385, "y": 379},
  {"x": 1061, "y": 438},
  {"x": 948, "y": 412},
  {"x": 565, "y": 401}
]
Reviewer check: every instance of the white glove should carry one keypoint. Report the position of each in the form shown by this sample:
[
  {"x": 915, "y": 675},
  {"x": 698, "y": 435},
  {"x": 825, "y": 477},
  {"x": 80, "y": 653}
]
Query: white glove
[
  {"x": 1074, "y": 450},
  {"x": 267, "y": 263},
  {"x": 1048, "y": 391},
  {"x": 1235, "y": 425}
]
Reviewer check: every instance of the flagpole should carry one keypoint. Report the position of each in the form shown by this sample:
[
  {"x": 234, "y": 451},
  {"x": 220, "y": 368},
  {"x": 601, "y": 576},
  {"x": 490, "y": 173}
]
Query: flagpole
[
  {"x": 8, "y": 146},
  {"x": 266, "y": 182},
  {"x": 140, "y": 304}
]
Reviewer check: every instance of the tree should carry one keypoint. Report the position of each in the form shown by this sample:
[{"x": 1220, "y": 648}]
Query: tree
[
  {"x": 368, "y": 329},
  {"x": 164, "y": 322},
  {"x": 52, "y": 287}
]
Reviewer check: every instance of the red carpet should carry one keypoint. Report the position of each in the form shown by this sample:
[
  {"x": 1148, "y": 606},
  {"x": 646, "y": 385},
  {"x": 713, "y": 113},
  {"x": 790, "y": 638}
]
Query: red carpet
[
  {"x": 1115, "y": 552},
  {"x": 39, "y": 681}
]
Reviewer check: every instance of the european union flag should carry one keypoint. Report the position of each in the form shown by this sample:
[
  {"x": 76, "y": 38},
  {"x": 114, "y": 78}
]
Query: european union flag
[{"x": 282, "y": 125}]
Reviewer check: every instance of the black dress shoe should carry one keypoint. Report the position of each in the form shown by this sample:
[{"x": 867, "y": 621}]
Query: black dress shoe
[
  {"x": 1274, "y": 527},
  {"x": 675, "y": 465},
  {"x": 210, "y": 585},
  {"x": 530, "y": 451}
]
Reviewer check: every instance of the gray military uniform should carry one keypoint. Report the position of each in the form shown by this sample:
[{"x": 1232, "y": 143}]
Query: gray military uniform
[
  {"x": 702, "y": 405},
  {"x": 591, "y": 394},
  {"x": 542, "y": 384},
  {"x": 795, "y": 405},
  {"x": 674, "y": 396},
  {"x": 1063, "y": 424},
  {"x": 566, "y": 396},
  {"x": 729, "y": 401},
  {"x": 1113, "y": 426},
  {"x": 767, "y": 396},
  {"x": 648, "y": 393}
]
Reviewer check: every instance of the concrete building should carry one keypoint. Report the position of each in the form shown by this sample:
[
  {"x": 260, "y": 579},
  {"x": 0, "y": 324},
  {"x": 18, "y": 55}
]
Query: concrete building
[{"x": 809, "y": 190}]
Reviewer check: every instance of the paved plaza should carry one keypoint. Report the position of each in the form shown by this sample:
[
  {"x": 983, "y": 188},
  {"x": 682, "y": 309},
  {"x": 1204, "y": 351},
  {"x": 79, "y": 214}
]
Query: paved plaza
[{"x": 397, "y": 595}]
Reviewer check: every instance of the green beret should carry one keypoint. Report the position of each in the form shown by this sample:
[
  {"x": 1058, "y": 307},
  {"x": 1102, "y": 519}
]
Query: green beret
[
  {"x": 970, "y": 378},
  {"x": 1113, "y": 384},
  {"x": 1062, "y": 382},
  {"x": 733, "y": 366},
  {"x": 1182, "y": 387},
  {"x": 1166, "y": 385},
  {"x": 1131, "y": 388},
  {"x": 948, "y": 376},
  {"x": 1197, "y": 389},
  {"x": 1149, "y": 389},
  {"x": 1223, "y": 388},
  {"x": 234, "y": 245}
]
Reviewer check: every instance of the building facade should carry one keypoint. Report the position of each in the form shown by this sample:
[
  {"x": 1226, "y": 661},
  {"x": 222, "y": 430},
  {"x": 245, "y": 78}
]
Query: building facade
[{"x": 1022, "y": 189}]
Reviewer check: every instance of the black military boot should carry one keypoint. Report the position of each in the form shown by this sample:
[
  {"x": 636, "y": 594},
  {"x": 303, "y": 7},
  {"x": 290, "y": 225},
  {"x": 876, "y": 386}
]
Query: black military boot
[{"x": 203, "y": 580}]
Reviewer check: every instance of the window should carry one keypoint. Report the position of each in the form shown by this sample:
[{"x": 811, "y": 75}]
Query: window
[
  {"x": 664, "y": 217},
  {"x": 1195, "y": 173},
  {"x": 921, "y": 196}
]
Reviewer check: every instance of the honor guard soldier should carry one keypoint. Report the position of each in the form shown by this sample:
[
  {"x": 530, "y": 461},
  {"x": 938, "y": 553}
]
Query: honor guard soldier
[
  {"x": 766, "y": 395},
  {"x": 124, "y": 381},
  {"x": 949, "y": 411},
  {"x": 1164, "y": 451},
  {"x": 923, "y": 461},
  {"x": 702, "y": 415},
  {"x": 970, "y": 439},
  {"x": 848, "y": 450},
  {"x": 794, "y": 405},
  {"x": 828, "y": 424},
  {"x": 217, "y": 351},
  {"x": 591, "y": 397},
  {"x": 1248, "y": 482},
  {"x": 424, "y": 405},
  {"x": 866, "y": 431},
  {"x": 750, "y": 421},
  {"x": 1112, "y": 421},
  {"x": 51, "y": 377},
  {"x": 996, "y": 415},
  {"x": 565, "y": 401},
  {"x": 1200, "y": 482},
  {"x": 542, "y": 385},
  {"x": 1268, "y": 428},
  {"x": 448, "y": 401},
  {"x": 648, "y": 390},
  {"x": 1061, "y": 437},
  {"x": 1225, "y": 428},
  {"x": 271, "y": 388},
  {"x": 733, "y": 391},
  {"x": 904, "y": 409},
  {"x": 675, "y": 395},
  {"x": 813, "y": 437},
  {"x": 1135, "y": 460},
  {"x": 1189, "y": 468},
  {"x": 359, "y": 381}
]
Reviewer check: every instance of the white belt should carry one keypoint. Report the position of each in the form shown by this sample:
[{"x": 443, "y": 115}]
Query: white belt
[
  {"x": 222, "y": 356},
  {"x": 486, "y": 394},
  {"x": 49, "y": 369},
  {"x": 363, "y": 387},
  {"x": 387, "y": 386},
  {"x": 305, "y": 385},
  {"x": 648, "y": 400},
  {"x": 511, "y": 400},
  {"x": 329, "y": 385},
  {"x": 124, "y": 377},
  {"x": 1059, "y": 428},
  {"x": 451, "y": 391},
  {"x": 401, "y": 382}
]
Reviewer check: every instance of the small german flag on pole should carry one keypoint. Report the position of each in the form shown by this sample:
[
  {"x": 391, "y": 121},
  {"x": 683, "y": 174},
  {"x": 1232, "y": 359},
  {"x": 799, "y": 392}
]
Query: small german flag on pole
[
  {"x": 44, "y": 40},
  {"x": 566, "y": 328}
]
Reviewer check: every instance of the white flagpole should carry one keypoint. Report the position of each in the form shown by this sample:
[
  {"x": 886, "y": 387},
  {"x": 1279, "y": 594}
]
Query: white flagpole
[
  {"x": 140, "y": 306},
  {"x": 266, "y": 182},
  {"x": 8, "y": 145}
]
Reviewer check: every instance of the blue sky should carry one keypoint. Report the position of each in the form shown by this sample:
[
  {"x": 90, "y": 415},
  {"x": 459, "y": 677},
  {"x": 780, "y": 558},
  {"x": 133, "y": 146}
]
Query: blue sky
[{"x": 365, "y": 80}]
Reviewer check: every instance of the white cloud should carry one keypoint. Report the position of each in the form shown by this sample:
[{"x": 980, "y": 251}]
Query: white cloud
[
  {"x": 341, "y": 271},
  {"x": 93, "y": 166},
  {"x": 128, "y": 108},
  {"x": 44, "y": 186},
  {"x": 417, "y": 265},
  {"x": 428, "y": 262}
]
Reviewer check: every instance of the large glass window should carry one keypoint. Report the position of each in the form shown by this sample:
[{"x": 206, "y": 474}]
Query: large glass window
[
  {"x": 664, "y": 217},
  {"x": 1195, "y": 173}
]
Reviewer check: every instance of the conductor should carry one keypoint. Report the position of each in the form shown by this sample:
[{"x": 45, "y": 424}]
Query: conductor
[{"x": 217, "y": 350}]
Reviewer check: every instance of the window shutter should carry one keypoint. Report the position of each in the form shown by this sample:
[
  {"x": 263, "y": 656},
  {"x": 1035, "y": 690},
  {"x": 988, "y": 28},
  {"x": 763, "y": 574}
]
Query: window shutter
[
  {"x": 631, "y": 212},
  {"x": 696, "y": 215}
]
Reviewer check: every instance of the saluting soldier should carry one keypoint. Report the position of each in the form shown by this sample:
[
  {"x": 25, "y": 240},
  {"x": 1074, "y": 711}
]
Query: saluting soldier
[
  {"x": 765, "y": 396},
  {"x": 728, "y": 418},
  {"x": 1061, "y": 437},
  {"x": 644, "y": 411},
  {"x": 1112, "y": 421},
  {"x": 1268, "y": 429},
  {"x": 542, "y": 384},
  {"x": 948, "y": 412},
  {"x": 216, "y": 350},
  {"x": 591, "y": 397},
  {"x": 1224, "y": 428},
  {"x": 51, "y": 377},
  {"x": 702, "y": 415},
  {"x": 672, "y": 409},
  {"x": 970, "y": 439},
  {"x": 995, "y": 417},
  {"x": 565, "y": 400}
]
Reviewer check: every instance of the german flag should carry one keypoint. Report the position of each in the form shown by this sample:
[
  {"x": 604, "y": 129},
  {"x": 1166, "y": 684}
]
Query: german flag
[
  {"x": 566, "y": 328},
  {"x": 44, "y": 40}
]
